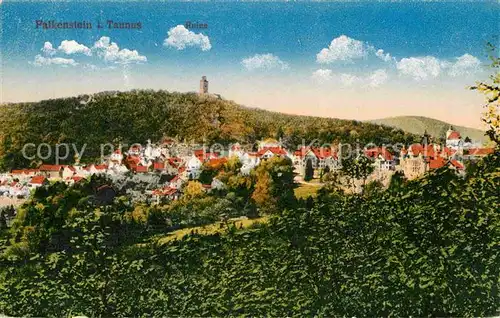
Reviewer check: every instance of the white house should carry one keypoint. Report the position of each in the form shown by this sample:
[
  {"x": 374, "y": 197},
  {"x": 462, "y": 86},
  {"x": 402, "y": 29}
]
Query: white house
[
  {"x": 68, "y": 172},
  {"x": 176, "y": 183},
  {"x": 193, "y": 167},
  {"x": 453, "y": 139},
  {"x": 116, "y": 156}
]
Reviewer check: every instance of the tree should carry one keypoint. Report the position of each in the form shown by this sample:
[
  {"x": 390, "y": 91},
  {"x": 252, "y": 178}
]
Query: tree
[
  {"x": 192, "y": 190},
  {"x": 309, "y": 170},
  {"x": 324, "y": 172},
  {"x": 274, "y": 184},
  {"x": 356, "y": 168},
  {"x": 491, "y": 115}
]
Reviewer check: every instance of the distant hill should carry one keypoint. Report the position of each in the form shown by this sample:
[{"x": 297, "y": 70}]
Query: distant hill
[
  {"x": 139, "y": 115},
  {"x": 436, "y": 128}
]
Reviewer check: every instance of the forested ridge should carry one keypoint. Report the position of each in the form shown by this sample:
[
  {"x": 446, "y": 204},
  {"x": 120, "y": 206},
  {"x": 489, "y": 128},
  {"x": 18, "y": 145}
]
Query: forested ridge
[{"x": 136, "y": 116}]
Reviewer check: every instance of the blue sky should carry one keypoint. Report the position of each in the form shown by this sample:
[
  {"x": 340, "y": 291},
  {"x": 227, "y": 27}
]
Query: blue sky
[{"x": 349, "y": 60}]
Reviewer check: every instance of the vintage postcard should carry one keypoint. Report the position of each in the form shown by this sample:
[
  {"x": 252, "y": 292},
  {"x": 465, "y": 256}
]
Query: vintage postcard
[{"x": 249, "y": 158}]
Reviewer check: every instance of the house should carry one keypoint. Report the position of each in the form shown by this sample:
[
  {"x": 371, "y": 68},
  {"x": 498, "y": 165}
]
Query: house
[
  {"x": 268, "y": 152},
  {"x": 135, "y": 150},
  {"x": 249, "y": 161},
  {"x": 139, "y": 168},
  {"x": 116, "y": 156},
  {"x": 95, "y": 169},
  {"x": 17, "y": 190},
  {"x": 202, "y": 155},
  {"x": 37, "y": 181},
  {"x": 165, "y": 193},
  {"x": 320, "y": 157},
  {"x": 217, "y": 184},
  {"x": 68, "y": 172},
  {"x": 268, "y": 143},
  {"x": 419, "y": 159},
  {"x": 158, "y": 166},
  {"x": 193, "y": 167},
  {"x": 74, "y": 180},
  {"x": 453, "y": 139},
  {"x": 236, "y": 151},
  {"x": 413, "y": 167},
  {"x": 176, "y": 182},
  {"x": 474, "y": 154},
  {"x": 51, "y": 171},
  {"x": 383, "y": 159}
]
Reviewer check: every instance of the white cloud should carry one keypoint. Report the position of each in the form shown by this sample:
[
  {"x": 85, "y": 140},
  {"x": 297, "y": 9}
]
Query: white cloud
[
  {"x": 464, "y": 64},
  {"x": 378, "y": 78},
  {"x": 264, "y": 61},
  {"x": 420, "y": 68},
  {"x": 373, "y": 80},
  {"x": 73, "y": 47},
  {"x": 348, "y": 79},
  {"x": 322, "y": 75},
  {"x": 179, "y": 37},
  {"x": 110, "y": 52},
  {"x": 48, "y": 49},
  {"x": 428, "y": 67},
  {"x": 41, "y": 61},
  {"x": 386, "y": 57},
  {"x": 342, "y": 48}
]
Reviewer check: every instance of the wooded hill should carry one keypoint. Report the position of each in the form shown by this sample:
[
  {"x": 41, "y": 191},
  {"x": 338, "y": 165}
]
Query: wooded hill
[
  {"x": 139, "y": 115},
  {"x": 436, "y": 128}
]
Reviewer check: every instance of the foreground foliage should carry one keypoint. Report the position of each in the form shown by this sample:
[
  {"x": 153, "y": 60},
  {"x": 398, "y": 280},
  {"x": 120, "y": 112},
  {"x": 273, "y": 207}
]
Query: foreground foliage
[{"x": 429, "y": 247}]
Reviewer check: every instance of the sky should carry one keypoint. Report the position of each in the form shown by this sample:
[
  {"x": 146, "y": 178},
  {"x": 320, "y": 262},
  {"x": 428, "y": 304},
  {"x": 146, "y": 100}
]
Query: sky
[{"x": 356, "y": 60}]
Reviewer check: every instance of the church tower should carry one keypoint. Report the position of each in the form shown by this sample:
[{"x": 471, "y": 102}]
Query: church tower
[{"x": 203, "y": 85}]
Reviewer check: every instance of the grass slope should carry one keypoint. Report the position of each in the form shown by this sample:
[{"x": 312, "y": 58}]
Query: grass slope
[{"x": 436, "y": 128}]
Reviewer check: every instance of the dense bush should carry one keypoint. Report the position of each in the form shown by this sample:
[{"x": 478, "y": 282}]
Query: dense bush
[{"x": 429, "y": 247}]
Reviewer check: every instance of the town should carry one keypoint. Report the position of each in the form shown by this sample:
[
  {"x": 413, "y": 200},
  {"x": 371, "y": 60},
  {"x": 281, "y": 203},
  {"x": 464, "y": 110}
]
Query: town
[{"x": 179, "y": 167}]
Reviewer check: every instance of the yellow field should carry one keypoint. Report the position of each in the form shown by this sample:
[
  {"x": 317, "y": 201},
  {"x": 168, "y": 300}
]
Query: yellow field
[
  {"x": 305, "y": 190},
  {"x": 209, "y": 229}
]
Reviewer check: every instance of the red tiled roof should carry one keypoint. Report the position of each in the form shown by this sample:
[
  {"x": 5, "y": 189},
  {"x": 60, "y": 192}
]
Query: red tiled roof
[
  {"x": 139, "y": 168},
  {"x": 481, "y": 151},
  {"x": 319, "y": 152},
  {"x": 436, "y": 163},
  {"x": 164, "y": 191},
  {"x": 158, "y": 165},
  {"x": 457, "y": 164},
  {"x": 133, "y": 159},
  {"x": 454, "y": 135},
  {"x": 17, "y": 171},
  {"x": 101, "y": 167},
  {"x": 174, "y": 179},
  {"x": 37, "y": 180},
  {"x": 201, "y": 155},
  {"x": 448, "y": 151},
  {"x": 274, "y": 150},
  {"x": 77, "y": 179},
  {"x": 50, "y": 167},
  {"x": 235, "y": 147},
  {"x": 217, "y": 161},
  {"x": 381, "y": 151}
]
